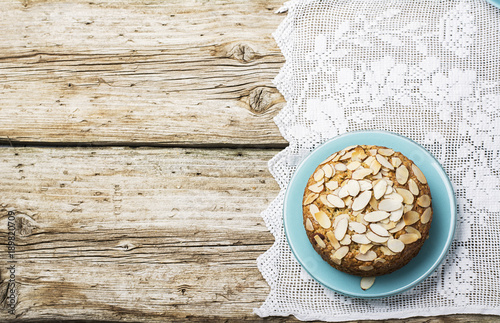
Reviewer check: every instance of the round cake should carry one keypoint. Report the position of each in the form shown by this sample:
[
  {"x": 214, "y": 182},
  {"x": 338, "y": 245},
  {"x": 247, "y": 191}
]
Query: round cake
[{"x": 367, "y": 210}]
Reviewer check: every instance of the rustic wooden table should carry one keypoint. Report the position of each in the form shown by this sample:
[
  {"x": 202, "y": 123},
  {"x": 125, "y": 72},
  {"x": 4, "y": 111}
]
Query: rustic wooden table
[{"x": 134, "y": 161}]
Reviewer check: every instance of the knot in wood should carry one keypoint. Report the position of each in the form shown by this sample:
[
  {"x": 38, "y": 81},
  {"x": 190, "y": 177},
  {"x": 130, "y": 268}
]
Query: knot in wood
[
  {"x": 243, "y": 53},
  {"x": 260, "y": 99}
]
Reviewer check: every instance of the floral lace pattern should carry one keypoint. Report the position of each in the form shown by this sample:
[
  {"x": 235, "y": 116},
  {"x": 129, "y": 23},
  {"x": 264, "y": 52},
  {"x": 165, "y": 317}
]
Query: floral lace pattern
[{"x": 429, "y": 70}]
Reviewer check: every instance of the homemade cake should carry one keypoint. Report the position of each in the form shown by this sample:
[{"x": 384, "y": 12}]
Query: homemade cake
[{"x": 367, "y": 210}]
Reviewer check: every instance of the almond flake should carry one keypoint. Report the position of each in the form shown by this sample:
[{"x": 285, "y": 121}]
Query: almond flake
[
  {"x": 333, "y": 241},
  {"x": 319, "y": 175},
  {"x": 395, "y": 245},
  {"x": 386, "y": 152},
  {"x": 379, "y": 189},
  {"x": 426, "y": 216},
  {"x": 418, "y": 174},
  {"x": 313, "y": 208},
  {"x": 340, "y": 167},
  {"x": 331, "y": 185},
  {"x": 341, "y": 252},
  {"x": 359, "y": 155},
  {"x": 309, "y": 225},
  {"x": 323, "y": 219},
  {"x": 394, "y": 196},
  {"x": 348, "y": 201},
  {"x": 311, "y": 198},
  {"x": 346, "y": 156},
  {"x": 329, "y": 159},
  {"x": 378, "y": 229},
  {"x": 319, "y": 241},
  {"x": 399, "y": 226},
  {"x": 402, "y": 174},
  {"x": 357, "y": 227},
  {"x": 346, "y": 149},
  {"x": 407, "y": 196},
  {"x": 390, "y": 225},
  {"x": 341, "y": 229},
  {"x": 369, "y": 160},
  {"x": 388, "y": 190},
  {"x": 375, "y": 237},
  {"x": 365, "y": 185},
  {"x": 384, "y": 162},
  {"x": 360, "y": 238},
  {"x": 361, "y": 173},
  {"x": 367, "y": 282},
  {"x": 413, "y": 187},
  {"x": 324, "y": 200},
  {"x": 408, "y": 238},
  {"x": 389, "y": 205},
  {"x": 335, "y": 201},
  {"x": 361, "y": 201},
  {"x": 413, "y": 230},
  {"x": 316, "y": 188},
  {"x": 343, "y": 192},
  {"x": 411, "y": 217},
  {"x": 373, "y": 152},
  {"x": 380, "y": 260},
  {"x": 364, "y": 248},
  {"x": 395, "y": 161},
  {"x": 346, "y": 241},
  {"x": 374, "y": 203},
  {"x": 407, "y": 208},
  {"x": 340, "y": 217},
  {"x": 353, "y": 187},
  {"x": 365, "y": 268},
  {"x": 328, "y": 171},
  {"x": 353, "y": 165},
  {"x": 376, "y": 216},
  {"x": 386, "y": 251},
  {"x": 375, "y": 167},
  {"x": 396, "y": 215},
  {"x": 424, "y": 201},
  {"x": 370, "y": 255},
  {"x": 377, "y": 176},
  {"x": 336, "y": 260}
]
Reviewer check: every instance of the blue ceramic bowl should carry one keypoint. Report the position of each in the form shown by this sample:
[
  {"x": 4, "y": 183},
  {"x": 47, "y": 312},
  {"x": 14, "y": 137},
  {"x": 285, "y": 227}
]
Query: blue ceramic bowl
[{"x": 434, "y": 249}]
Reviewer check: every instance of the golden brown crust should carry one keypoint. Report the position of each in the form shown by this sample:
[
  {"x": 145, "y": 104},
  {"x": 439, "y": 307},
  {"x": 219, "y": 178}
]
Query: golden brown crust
[{"x": 318, "y": 189}]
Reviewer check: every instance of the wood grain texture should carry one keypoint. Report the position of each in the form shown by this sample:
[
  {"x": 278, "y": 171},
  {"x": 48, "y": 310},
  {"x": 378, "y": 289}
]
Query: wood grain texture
[{"x": 171, "y": 73}]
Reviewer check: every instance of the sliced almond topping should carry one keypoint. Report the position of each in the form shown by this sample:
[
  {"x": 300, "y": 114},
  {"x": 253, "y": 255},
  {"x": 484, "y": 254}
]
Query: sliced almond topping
[
  {"x": 407, "y": 196},
  {"x": 329, "y": 159},
  {"x": 396, "y": 215},
  {"x": 316, "y": 188},
  {"x": 319, "y": 175},
  {"x": 331, "y": 185},
  {"x": 375, "y": 167},
  {"x": 336, "y": 260},
  {"x": 386, "y": 152},
  {"x": 365, "y": 268},
  {"x": 411, "y": 217},
  {"x": 341, "y": 229},
  {"x": 340, "y": 217},
  {"x": 323, "y": 219},
  {"x": 399, "y": 226},
  {"x": 374, "y": 203},
  {"x": 369, "y": 160},
  {"x": 346, "y": 241},
  {"x": 389, "y": 182},
  {"x": 309, "y": 225},
  {"x": 394, "y": 196},
  {"x": 361, "y": 219},
  {"x": 402, "y": 174},
  {"x": 324, "y": 200},
  {"x": 413, "y": 187},
  {"x": 380, "y": 260},
  {"x": 365, "y": 247},
  {"x": 359, "y": 155},
  {"x": 370, "y": 255},
  {"x": 418, "y": 174},
  {"x": 313, "y": 208},
  {"x": 353, "y": 165},
  {"x": 360, "y": 238},
  {"x": 311, "y": 198},
  {"x": 365, "y": 185},
  {"x": 395, "y": 161},
  {"x": 328, "y": 170},
  {"x": 353, "y": 187},
  {"x": 413, "y": 230},
  {"x": 335, "y": 201},
  {"x": 375, "y": 237},
  {"x": 367, "y": 282},
  {"x": 379, "y": 189},
  {"x": 389, "y": 205},
  {"x": 346, "y": 156},
  {"x": 380, "y": 230},
  {"x": 384, "y": 162},
  {"x": 357, "y": 227},
  {"x": 377, "y": 176},
  {"x": 390, "y": 225},
  {"x": 340, "y": 167},
  {"x": 319, "y": 241},
  {"x": 361, "y": 201},
  {"x": 386, "y": 251},
  {"x": 348, "y": 201},
  {"x": 343, "y": 192},
  {"x": 333, "y": 241},
  {"x": 408, "y": 238},
  {"x": 351, "y": 147},
  {"x": 373, "y": 151},
  {"x": 424, "y": 201},
  {"x": 361, "y": 173},
  {"x": 395, "y": 245},
  {"x": 388, "y": 190},
  {"x": 426, "y": 216},
  {"x": 407, "y": 208},
  {"x": 376, "y": 216},
  {"x": 341, "y": 252}
]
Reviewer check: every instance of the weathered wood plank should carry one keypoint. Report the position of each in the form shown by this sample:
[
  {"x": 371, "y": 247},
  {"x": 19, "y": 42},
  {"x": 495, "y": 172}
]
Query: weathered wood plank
[
  {"x": 139, "y": 235},
  {"x": 162, "y": 73}
]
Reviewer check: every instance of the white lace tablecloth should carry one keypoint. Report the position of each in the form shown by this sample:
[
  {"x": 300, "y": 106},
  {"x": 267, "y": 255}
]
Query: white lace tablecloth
[{"x": 429, "y": 70}]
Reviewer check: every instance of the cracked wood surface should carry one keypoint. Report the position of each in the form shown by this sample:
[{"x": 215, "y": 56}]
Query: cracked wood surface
[{"x": 171, "y": 73}]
